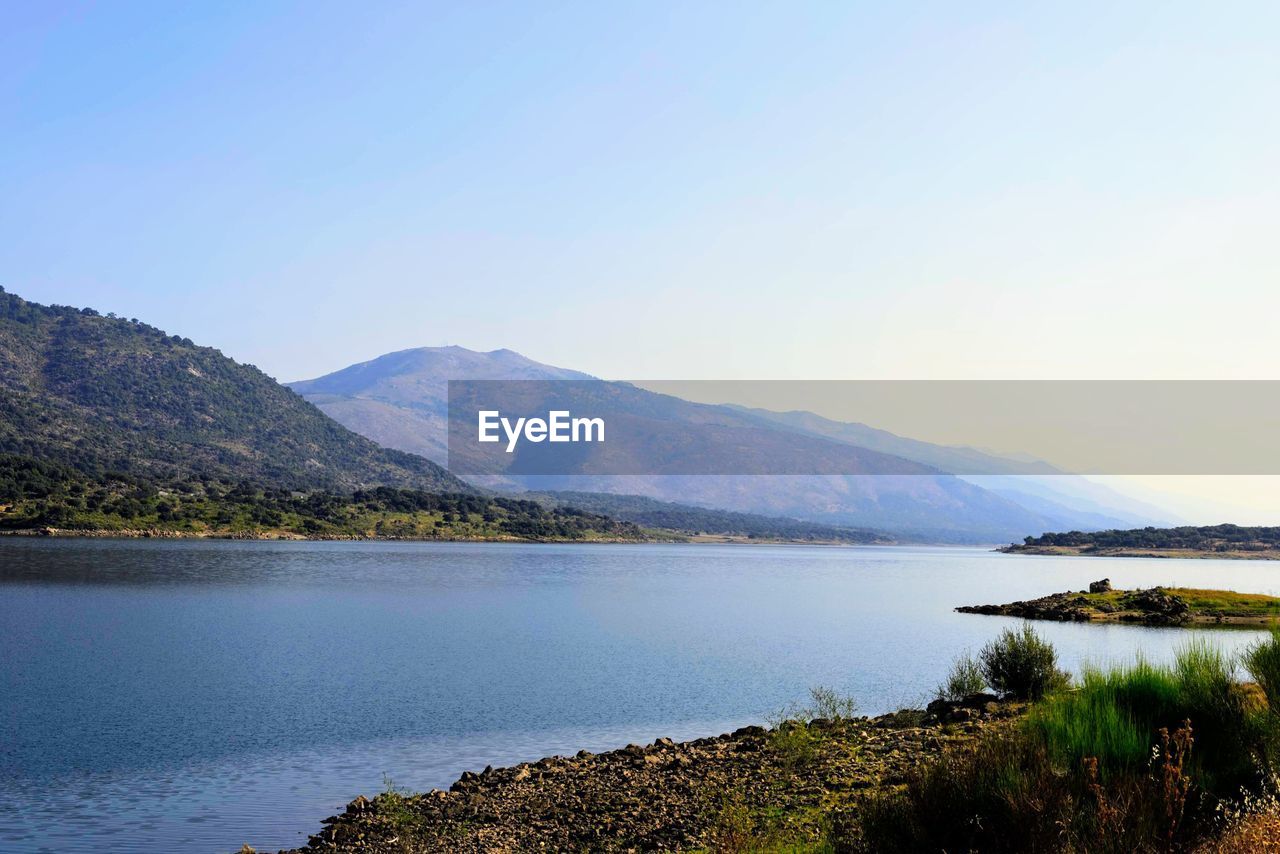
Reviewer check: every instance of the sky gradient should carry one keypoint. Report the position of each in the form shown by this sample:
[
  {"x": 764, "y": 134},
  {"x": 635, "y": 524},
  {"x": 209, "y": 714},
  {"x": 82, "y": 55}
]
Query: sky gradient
[
  {"x": 699, "y": 191},
  {"x": 684, "y": 191}
]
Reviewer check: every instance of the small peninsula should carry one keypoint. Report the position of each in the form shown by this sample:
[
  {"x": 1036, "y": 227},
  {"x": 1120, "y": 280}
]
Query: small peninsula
[{"x": 1155, "y": 606}]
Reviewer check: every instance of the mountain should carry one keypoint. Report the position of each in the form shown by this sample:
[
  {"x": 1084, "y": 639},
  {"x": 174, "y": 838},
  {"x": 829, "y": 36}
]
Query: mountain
[
  {"x": 1033, "y": 484},
  {"x": 401, "y": 399},
  {"x": 104, "y": 394},
  {"x": 951, "y": 459},
  {"x": 930, "y": 508},
  {"x": 1071, "y": 496}
]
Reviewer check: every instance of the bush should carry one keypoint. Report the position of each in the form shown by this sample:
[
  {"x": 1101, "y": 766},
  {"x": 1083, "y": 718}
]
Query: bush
[
  {"x": 1107, "y": 767},
  {"x": 829, "y": 704},
  {"x": 1262, "y": 660},
  {"x": 791, "y": 736},
  {"x": 1022, "y": 665},
  {"x": 964, "y": 679},
  {"x": 794, "y": 742}
]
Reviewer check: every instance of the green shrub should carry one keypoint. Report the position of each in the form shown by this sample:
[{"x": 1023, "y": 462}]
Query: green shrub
[
  {"x": 1109, "y": 766},
  {"x": 794, "y": 742},
  {"x": 964, "y": 679},
  {"x": 1022, "y": 665},
  {"x": 1007, "y": 794},
  {"x": 1262, "y": 660},
  {"x": 1116, "y": 713},
  {"x": 830, "y": 704}
]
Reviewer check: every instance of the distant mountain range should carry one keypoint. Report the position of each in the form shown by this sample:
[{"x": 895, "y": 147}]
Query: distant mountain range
[
  {"x": 401, "y": 400},
  {"x": 104, "y": 394}
]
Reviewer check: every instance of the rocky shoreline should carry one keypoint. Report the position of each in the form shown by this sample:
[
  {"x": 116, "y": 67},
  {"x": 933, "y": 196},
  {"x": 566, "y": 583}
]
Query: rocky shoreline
[
  {"x": 795, "y": 782},
  {"x": 170, "y": 534}
]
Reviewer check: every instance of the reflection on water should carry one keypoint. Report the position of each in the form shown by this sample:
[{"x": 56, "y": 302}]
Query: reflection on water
[{"x": 186, "y": 695}]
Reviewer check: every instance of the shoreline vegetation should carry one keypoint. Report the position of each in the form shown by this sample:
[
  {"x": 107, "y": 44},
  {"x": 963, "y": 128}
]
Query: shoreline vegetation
[
  {"x": 1155, "y": 606},
  {"x": 755, "y": 789},
  {"x": 1229, "y": 542},
  {"x": 39, "y": 498},
  {"x": 50, "y": 499},
  {"x": 1013, "y": 754}
]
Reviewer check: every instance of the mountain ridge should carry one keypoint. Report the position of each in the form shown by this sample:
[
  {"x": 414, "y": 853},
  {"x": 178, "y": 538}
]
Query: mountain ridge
[
  {"x": 102, "y": 393},
  {"x": 409, "y": 410}
]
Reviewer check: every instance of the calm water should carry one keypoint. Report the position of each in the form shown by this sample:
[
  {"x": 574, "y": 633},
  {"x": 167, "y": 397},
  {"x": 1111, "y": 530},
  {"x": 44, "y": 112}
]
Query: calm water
[{"x": 194, "y": 696}]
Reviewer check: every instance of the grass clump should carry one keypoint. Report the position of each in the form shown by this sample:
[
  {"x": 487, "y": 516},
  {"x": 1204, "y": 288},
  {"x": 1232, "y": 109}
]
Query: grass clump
[
  {"x": 830, "y": 704},
  {"x": 965, "y": 679},
  {"x": 738, "y": 829},
  {"x": 1005, "y": 794},
  {"x": 394, "y": 807},
  {"x": 793, "y": 739},
  {"x": 1262, "y": 661},
  {"x": 1116, "y": 714},
  {"x": 1111, "y": 718},
  {"x": 1022, "y": 665},
  {"x": 1136, "y": 758}
]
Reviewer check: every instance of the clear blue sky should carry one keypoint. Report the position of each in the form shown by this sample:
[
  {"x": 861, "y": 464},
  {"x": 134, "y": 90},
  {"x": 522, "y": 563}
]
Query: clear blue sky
[{"x": 659, "y": 190}]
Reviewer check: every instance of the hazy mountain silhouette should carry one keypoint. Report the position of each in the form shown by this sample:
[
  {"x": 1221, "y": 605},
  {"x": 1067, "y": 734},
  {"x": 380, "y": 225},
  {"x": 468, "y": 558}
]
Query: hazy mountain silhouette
[{"x": 401, "y": 400}]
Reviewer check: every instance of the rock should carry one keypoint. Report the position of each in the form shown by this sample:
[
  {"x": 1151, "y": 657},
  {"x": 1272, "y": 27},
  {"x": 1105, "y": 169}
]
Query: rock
[
  {"x": 1157, "y": 606},
  {"x": 970, "y": 708},
  {"x": 1103, "y": 586},
  {"x": 1063, "y": 607},
  {"x": 651, "y": 798}
]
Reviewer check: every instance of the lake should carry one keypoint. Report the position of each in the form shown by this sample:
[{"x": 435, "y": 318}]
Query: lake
[{"x": 194, "y": 696}]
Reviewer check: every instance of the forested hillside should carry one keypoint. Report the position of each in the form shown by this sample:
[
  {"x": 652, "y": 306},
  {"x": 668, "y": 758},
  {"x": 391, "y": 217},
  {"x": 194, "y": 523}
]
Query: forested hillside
[
  {"x": 103, "y": 394},
  {"x": 51, "y": 497},
  {"x": 1222, "y": 538}
]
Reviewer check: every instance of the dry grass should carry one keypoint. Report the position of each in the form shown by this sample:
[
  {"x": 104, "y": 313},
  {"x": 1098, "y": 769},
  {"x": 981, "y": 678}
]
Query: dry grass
[
  {"x": 1252, "y": 834},
  {"x": 1228, "y": 602}
]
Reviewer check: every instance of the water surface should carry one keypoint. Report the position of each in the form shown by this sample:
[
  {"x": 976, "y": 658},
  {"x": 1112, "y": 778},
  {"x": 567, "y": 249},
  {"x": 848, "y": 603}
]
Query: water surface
[{"x": 194, "y": 696}]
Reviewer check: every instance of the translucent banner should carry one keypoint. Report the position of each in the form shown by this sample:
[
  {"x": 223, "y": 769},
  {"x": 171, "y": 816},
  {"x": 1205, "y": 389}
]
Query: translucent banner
[{"x": 701, "y": 427}]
